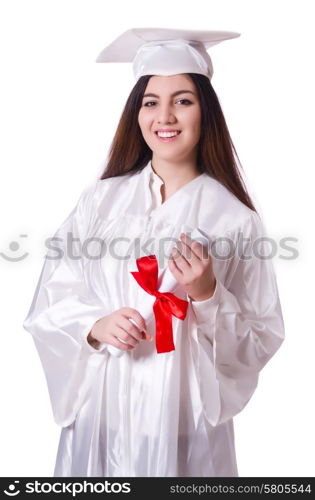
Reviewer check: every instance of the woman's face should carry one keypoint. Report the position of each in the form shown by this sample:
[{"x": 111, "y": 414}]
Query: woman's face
[{"x": 170, "y": 118}]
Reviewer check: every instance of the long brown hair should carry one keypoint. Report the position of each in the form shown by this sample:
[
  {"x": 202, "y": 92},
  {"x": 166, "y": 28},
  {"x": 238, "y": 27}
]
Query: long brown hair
[{"x": 216, "y": 152}]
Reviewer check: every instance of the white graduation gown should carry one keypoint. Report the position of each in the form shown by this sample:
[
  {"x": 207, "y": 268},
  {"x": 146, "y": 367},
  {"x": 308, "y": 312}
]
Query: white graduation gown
[{"x": 149, "y": 414}]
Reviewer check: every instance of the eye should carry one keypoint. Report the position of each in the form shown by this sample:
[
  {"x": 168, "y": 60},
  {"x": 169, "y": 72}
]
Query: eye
[
  {"x": 148, "y": 103},
  {"x": 186, "y": 101}
]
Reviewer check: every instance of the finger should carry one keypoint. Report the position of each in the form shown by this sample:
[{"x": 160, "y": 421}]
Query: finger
[
  {"x": 122, "y": 335},
  {"x": 131, "y": 329},
  {"x": 146, "y": 336},
  {"x": 120, "y": 345},
  {"x": 176, "y": 271},
  {"x": 136, "y": 316},
  {"x": 185, "y": 251},
  {"x": 180, "y": 261},
  {"x": 197, "y": 249}
]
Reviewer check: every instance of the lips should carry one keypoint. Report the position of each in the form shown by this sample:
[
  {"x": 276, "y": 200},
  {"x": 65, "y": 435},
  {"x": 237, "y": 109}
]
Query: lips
[{"x": 166, "y": 134}]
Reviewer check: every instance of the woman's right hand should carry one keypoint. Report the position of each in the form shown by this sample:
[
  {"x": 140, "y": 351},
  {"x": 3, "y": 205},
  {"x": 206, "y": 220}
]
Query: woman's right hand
[{"x": 115, "y": 326}]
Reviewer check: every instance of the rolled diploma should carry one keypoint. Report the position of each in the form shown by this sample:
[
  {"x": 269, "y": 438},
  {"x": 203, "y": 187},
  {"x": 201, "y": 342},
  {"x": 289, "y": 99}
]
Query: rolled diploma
[{"x": 166, "y": 283}]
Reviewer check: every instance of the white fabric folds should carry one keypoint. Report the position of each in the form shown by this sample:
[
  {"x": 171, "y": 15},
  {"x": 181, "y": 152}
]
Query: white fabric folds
[{"x": 149, "y": 414}]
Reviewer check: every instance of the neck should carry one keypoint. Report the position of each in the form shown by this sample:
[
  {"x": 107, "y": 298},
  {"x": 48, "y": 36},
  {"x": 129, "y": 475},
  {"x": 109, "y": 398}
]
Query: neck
[{"x": 174, "y": 175}]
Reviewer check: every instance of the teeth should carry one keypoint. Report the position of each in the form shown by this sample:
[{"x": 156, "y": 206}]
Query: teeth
[{"x": 167, "y": 134}]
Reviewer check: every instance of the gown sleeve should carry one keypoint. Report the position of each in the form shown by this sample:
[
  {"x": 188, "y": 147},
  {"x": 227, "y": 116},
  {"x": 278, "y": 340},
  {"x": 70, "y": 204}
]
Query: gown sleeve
[
  {"x": 62, "y": 314},
  {"x": 236, "y": 331}
]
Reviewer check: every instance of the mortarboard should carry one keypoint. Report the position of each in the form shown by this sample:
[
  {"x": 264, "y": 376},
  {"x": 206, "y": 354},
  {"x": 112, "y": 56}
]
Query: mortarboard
[{"x": 163, "y": 51}]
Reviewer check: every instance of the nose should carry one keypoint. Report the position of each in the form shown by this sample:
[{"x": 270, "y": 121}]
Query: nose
[{"x": 166, "y": 114}]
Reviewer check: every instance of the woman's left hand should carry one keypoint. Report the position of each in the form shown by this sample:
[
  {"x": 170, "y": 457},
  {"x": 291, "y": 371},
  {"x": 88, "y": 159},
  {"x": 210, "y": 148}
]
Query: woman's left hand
[{"x": 192, "y": 267}]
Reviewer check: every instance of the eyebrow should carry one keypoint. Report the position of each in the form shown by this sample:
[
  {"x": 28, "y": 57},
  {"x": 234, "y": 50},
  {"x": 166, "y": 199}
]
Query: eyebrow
[{"x": 172, "y": 95}]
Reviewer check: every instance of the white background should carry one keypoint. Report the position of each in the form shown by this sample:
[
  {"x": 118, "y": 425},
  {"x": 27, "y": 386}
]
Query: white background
[{"x": 59, "y": 111}]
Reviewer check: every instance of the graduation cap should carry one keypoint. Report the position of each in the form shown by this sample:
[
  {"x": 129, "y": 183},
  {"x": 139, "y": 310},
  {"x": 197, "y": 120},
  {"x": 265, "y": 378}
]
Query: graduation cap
[{"x": 163, "y": 51}]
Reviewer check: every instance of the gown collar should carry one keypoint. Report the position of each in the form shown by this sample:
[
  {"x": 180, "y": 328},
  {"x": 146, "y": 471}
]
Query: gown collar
[
  {"x": 155, "y": 179},
  {"x": 154, "y": 183}
]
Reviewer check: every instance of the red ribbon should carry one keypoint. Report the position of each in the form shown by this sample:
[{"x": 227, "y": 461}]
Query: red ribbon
[{"x": 165, "y": 305}]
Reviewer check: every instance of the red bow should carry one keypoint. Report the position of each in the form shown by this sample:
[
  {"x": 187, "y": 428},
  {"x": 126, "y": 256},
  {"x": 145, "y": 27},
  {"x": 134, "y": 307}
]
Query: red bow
[{"x": 164, "y": 306}]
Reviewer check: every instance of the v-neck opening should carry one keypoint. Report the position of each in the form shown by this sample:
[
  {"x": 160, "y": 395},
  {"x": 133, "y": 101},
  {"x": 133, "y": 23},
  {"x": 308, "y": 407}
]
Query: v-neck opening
[{"x": 182, "y": 189}]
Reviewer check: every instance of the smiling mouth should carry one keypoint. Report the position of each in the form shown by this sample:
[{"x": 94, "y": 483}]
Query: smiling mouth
[{"x": 168, "y": 135}]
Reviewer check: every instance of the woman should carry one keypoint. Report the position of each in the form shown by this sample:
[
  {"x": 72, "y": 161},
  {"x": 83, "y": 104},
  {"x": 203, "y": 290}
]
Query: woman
[{"x": 171, "y": 170}]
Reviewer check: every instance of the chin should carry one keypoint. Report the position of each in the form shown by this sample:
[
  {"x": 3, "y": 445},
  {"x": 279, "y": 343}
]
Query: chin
[
  {"x": 166, "y": 156},
  {"x": 171, "y": 156}
]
